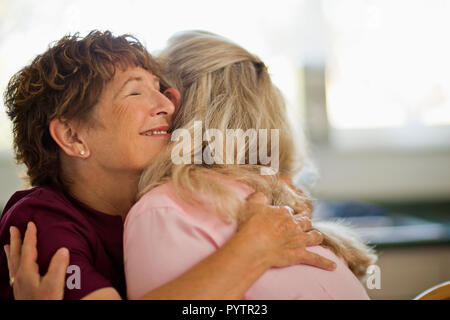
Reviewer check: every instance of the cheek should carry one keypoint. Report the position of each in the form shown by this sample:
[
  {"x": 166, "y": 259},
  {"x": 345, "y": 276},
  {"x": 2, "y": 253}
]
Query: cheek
[
  {"x": 154, "y": 146},
  {"x": 129, "y": 124},
  {"x": 150, "y": 149},
  {"x": 136, "y": 150},
  {"x": 130, "y": 113}
]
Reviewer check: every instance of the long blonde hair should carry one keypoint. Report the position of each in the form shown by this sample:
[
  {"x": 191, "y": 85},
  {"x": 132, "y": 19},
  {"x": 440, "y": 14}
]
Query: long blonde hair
[{"x": 226, "y": 87}]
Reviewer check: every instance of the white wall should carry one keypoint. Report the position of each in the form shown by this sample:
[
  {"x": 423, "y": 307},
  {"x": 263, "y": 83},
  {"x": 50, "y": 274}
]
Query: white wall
[
  {"x": 378, "y": 175},
  {"x": 9, "y": 177}
]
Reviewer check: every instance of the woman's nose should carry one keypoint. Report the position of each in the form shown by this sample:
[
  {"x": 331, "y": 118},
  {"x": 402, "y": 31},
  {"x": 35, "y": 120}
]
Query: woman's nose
[{"x": 163, "y": 107}]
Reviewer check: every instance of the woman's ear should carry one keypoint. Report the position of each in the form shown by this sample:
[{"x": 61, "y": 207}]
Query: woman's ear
[
  {"x": 174, "y": 96},
  {"x": 66, "y": 135}
]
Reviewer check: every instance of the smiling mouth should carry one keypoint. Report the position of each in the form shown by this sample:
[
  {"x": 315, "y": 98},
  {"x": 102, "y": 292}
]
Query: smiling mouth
[
  {"x": 161, "y": 131},
  {"x": 154, "y": 132}
]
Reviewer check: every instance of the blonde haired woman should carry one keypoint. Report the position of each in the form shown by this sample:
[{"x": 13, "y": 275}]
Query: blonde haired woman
[{"x": 185, "y": 210}]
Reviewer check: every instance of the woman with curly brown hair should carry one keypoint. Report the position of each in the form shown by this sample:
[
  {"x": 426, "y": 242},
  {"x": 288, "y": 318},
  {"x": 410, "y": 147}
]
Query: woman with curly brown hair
[{"x": 89, "y": 115}]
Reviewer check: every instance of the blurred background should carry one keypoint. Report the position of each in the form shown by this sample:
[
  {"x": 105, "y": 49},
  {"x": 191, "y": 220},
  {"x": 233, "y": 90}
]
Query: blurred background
[{"x": 368, "y": 81}]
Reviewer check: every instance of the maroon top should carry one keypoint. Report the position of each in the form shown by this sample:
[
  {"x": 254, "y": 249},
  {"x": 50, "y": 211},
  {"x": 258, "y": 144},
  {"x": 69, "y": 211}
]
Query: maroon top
[{"x": 94, "y": 240}]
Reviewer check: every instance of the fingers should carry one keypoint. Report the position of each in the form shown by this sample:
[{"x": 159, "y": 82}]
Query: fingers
[
  {"x": 8, "y": 259},
  {"x": 59, "y": 262},
  {"x": 54, "y": 280},
  {"x": 309, "y": 207},
  {"x": 304, "y": 223},
  {"x": 289, "y": 210},
  {"x": 258, "y": 197},
  {"x": 304, "y": 207},
  {"x": 256, "y": 203},
  {"x": 15, "y": 249},
  {"x": 286, "y": 210},
  {"x": 313, "y": 259},
  {"x": 303, "y": 210},
  {"x": 29, "y": 250},
  {"x": 313, "y": 238}
]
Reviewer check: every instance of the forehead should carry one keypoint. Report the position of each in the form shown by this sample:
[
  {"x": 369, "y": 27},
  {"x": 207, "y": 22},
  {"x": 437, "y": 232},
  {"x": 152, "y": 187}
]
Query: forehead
[
  {"x": 122, "y": 75},
  {"x": 112, "y": 90}
]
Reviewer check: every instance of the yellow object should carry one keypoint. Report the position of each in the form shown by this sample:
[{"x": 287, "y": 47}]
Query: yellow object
[{"x": 439, "y": 292}]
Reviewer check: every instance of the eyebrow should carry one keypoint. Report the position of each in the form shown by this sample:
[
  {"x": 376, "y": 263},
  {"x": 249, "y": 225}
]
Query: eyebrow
[
  {"x": 125, "y": 83},
  {"x": 155, "y": 79}
]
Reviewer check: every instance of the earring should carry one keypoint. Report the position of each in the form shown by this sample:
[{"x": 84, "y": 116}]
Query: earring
[{"x": 82, "y": 152}]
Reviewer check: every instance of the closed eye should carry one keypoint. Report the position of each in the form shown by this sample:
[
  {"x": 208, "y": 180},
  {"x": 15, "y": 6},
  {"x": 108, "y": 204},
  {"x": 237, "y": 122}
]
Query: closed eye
[{"x": 135, "y": 94}]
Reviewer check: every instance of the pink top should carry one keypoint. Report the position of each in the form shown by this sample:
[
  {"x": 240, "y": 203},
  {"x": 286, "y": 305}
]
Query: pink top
[{"x": 164, "y": 237}]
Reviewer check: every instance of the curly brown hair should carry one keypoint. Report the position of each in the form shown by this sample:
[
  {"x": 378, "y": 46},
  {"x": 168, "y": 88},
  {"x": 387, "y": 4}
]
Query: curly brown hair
[{"x": 65, "y": 82}]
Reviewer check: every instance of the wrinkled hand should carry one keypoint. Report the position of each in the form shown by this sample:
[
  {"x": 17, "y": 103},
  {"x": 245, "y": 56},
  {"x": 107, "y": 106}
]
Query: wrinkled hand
[
  {"x": 303, "y": 207},
  {"x": 278, "y": 236},
  {"x": 23, "y": 268}
]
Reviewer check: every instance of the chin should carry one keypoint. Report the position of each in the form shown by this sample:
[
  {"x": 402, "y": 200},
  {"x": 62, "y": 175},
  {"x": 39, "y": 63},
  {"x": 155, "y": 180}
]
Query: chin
[{"x": 146, "y": 163}]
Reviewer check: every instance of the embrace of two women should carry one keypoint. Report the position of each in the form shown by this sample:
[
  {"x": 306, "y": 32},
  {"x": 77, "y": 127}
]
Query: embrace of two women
[{"x": 92, "y": 121}]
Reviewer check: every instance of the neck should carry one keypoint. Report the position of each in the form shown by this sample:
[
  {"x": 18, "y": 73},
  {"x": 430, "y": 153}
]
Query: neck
[{"x": 112, "y": 194}]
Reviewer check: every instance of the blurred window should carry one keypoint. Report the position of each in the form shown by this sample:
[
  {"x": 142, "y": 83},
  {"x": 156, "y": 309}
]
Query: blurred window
[{"x": 388, "y": 72}]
